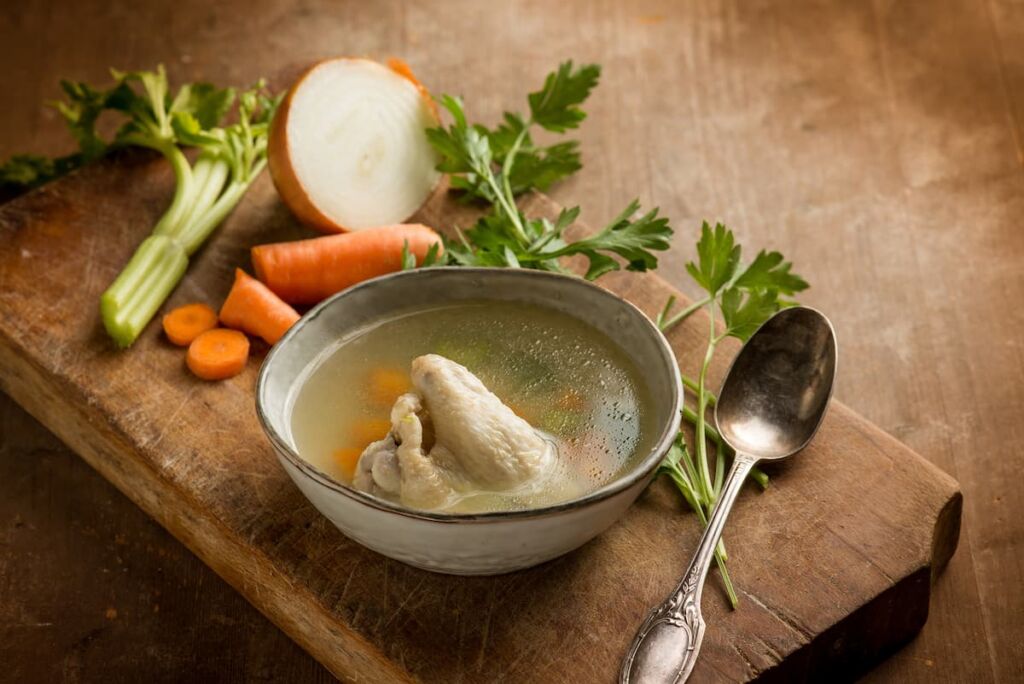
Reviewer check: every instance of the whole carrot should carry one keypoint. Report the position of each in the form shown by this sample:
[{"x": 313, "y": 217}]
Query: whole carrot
[
  {"x": 252, "y": 308},
  {"x": 308, "y": 271}
]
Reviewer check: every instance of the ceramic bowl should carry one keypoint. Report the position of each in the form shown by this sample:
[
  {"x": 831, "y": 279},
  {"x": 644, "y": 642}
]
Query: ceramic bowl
[{"x": 466, "y": 544}]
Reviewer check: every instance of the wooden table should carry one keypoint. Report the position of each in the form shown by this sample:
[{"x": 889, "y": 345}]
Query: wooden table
[{"x": 877, "y": 144}]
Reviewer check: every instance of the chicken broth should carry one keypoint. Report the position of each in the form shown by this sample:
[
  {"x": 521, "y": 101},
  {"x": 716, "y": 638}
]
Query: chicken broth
[{"x": 572, "y": 384}]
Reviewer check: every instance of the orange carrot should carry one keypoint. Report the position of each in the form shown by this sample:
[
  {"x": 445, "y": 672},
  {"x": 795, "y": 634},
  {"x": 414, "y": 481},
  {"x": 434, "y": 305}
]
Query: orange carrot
[
  {"x": 218, "y": 354},
  {"x": 346, "y": 459},
  {"x": 186, "y": 323},
  {"x": 370, "y": 430},
  {"x": 307, "y": 271},
  {"x": 387, "y": 384},
  {"x": 252, "y": 308}
]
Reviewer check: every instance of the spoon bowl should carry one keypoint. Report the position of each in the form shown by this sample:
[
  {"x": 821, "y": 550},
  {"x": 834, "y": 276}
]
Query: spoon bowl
[{"x": 779, "y": 385}]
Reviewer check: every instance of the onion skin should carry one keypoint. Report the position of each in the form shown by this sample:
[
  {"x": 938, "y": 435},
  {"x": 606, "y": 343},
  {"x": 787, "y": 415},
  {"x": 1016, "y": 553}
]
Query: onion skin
[
  {"x": 283, "y": 174},
  {"x": 403, "y": 70},
  {"x": 281, "y": 171}
]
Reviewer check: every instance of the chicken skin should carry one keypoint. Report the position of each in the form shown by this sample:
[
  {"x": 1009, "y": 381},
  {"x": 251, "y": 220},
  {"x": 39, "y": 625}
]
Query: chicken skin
[{"x": 449, "y": 437}]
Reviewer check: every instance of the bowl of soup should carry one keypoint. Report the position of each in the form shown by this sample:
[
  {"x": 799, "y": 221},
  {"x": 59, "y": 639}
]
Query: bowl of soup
[{"x": 471, "y": 421}]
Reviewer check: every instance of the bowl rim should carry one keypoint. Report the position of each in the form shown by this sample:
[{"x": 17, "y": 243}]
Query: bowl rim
[{"x": 641, "y": 471}]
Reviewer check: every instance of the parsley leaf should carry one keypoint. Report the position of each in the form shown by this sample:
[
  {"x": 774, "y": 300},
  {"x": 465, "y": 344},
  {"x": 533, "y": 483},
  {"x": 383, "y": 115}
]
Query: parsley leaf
[
  {"x": 769, "y": 270},
  {"x": 431, "y": 258},
  {"x": 746, "y": 295},
  {"x": 625, "y": 237},
  {"x": 555, "y": 107},
  {"x": 718, "y": 256},
  {"x": 745, "y": 311},
  {"x": 541, "y": 168},
  {"x": 463, "y": 148}
]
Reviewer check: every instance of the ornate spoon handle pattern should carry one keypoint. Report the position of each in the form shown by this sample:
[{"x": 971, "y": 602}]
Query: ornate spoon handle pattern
[{"x": 666, "y": 646}]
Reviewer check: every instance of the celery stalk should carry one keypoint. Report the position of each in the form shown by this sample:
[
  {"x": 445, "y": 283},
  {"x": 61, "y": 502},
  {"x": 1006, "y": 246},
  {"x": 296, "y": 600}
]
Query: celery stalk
[
  {"x": 150, "y": 276},
  {"x": 183, "y": 190},
  {"x": 231, "y": 158}
]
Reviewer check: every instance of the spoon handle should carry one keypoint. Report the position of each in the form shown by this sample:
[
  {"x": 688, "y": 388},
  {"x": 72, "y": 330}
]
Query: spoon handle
[{"x": 666, "y": 646}]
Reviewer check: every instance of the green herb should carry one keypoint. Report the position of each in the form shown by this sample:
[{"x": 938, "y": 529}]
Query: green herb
[
  {"x": 80, "y": 111},
  {"x": 431, "y": 258},
  {"x": 230, "y": 157},
  {"x": 496, "y": 165},
  {"x": 745, "y": 297},
  {"x": 26, "y": 171}
]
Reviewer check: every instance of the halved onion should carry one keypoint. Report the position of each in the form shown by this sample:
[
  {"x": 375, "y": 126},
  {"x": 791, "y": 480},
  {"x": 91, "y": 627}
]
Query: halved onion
[{"x": 348, "y": 149}]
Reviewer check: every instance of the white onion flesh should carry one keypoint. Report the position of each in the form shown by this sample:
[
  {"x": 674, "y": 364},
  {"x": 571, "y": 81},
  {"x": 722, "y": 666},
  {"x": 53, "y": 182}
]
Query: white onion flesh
[{"x": 357, "y": 146}]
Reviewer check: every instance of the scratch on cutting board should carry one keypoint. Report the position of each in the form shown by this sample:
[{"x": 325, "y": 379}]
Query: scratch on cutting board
[
  {"x": 797, "y": 629},
  {"x": 769, "y": 649},
  {"x": 485, "y": 629},
  {"x": 539, "y": 658},
  {"x": 751, "y": 667},
  {"x": 348, "y": 581},
  {"x": 384, "y": 591},
  {"x": 170, "y": 420},
  {"x": 408, "y": 597},
  {"x": 860, "y": 552}
]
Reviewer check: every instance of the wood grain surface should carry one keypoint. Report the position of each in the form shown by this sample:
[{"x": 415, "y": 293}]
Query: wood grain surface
[
  {"x": 878, "y": 144},
  {"x": 833, "y": 562}
]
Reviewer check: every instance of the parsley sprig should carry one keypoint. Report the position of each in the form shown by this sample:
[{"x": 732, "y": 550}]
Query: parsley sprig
[
  {"x": 744, "y": 296},
  {"x": 497, "y": 165}
]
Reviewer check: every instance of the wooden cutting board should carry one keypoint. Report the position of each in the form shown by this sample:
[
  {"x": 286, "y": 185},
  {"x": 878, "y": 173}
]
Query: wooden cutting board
[{"x": 833, "y": 563}]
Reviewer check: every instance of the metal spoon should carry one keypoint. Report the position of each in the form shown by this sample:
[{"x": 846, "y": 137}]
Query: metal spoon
[{"x": 771, "y": 404}]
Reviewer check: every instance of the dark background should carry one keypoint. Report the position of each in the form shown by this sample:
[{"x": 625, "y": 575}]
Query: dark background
[{"x": 876, "y": 143}]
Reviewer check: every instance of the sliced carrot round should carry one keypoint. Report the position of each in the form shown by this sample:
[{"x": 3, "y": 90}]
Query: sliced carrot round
[
  {"x": 218, "y": 354},
  {"x": 186, "y": 323}
]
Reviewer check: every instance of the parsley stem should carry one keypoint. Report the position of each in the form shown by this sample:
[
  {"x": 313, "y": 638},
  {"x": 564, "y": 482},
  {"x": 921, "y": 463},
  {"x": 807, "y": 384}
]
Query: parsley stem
[
  {"x": 685, "y": 488},
  {"x": 684, "y": 481},
  {"x": 726, "y": 581},
  {"x": 759, "y": 476},
  {"x": 506, "y": 167},
  {"x": 702, "y": 509},
  {"x": 691, "y": 384},
  {"x": 508, "y": 205},
  {"x": 756, "y": 474},
  {"x": 663, "y": 314},
  {"x": 691, "y": 472},
  {"x": 702, "y": 405},
  {"x": 667, "y": 324},
  {"x": 503, "y": 192}
]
